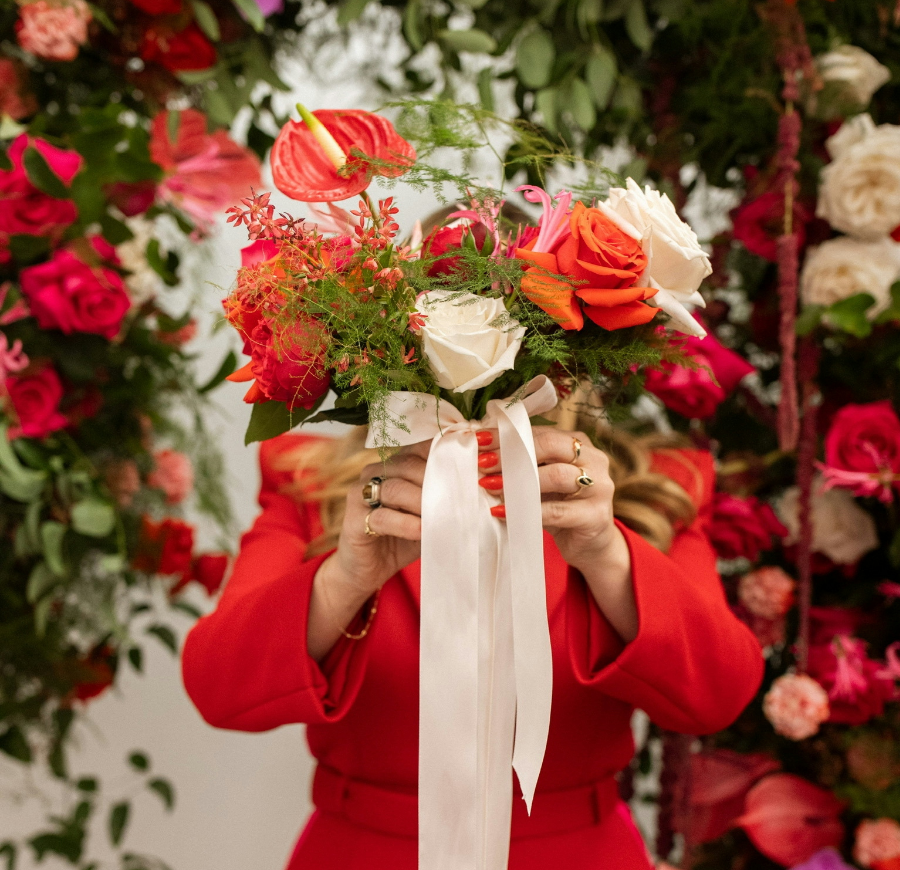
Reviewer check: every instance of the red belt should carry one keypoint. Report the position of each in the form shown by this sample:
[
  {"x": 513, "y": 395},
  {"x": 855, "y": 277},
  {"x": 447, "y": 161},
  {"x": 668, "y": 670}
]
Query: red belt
[{"x": 396, "y": 813}]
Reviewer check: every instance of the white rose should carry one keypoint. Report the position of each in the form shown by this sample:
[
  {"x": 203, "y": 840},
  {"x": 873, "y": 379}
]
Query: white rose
[
  {"x": 845, "y": 266},
  {"x": 468, "y": 340},
  {"x": 676, "y": 263},
  {"x": 854, "y": 72},
  {"x": 842, "y": 530},
  {"x": 848, "y": 134},
  {"x": 859, "y": 193}
]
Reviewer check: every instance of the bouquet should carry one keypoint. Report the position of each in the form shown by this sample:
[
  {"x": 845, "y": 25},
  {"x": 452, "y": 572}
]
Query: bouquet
[{"x": 480, "y": 322}]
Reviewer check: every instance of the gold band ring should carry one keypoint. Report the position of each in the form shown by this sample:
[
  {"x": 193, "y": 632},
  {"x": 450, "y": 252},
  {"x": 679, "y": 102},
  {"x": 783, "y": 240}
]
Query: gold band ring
[
  {"x": 369, "y": 531},
  {"x": 576, "y": 450}
]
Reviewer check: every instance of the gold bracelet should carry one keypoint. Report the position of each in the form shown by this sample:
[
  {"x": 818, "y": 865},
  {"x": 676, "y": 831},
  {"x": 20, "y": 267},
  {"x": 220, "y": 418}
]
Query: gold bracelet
[{"x": 369, "y": 620}]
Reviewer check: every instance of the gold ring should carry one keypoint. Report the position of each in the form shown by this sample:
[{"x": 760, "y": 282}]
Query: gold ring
[
  {"x": 583, "y": 481},
  {"x": 371, "y": 492},
  {"x": 576, "y": 450},
  {"x": 369, "y": 531}
]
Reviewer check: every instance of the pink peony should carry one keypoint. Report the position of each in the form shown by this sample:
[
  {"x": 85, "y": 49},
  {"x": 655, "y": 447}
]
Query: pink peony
[
  {"x": 796, "y": 705},
  {"x": 123, "y": 481},
  {"x": 696, "y": 393},
  {"x": 204, "y": 172},
  {"x": 12, "y": 359},
  {"x": 35, "y": 399},
  {"x": 68, "y": 294},
  {"x": 14, "y": 100},
  {"x": 172, "y": 474},
  {"x": 876, "y": 840},
  {"x": 25, "y": 210},
  {"x": 767, "y": 592},
  {"x": 742, "y": 527},
  {"x": 53, "y": 30}
]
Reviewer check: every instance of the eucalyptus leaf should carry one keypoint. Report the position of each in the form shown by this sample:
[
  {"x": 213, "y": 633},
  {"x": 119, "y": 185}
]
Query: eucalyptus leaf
[
  {"x": 600, "y": 74},
  {"x": 545, "y": 101},
  {"x": 485, "y": 89},
  {"x": 40, "y": 581},
  {"x": 350, "y": 10},
  {"x": 581, "y": 105},
  {"x": 93, "y": 518},
  {"x": 474, "y": 40},
  {"x": 206, "y": 19},
  {"x": 17, "y": 481},
  {"x": 534, "y": 59},
  {"x": 252, "y": 13},
  {"x": 637, "y": 26},
  {"x": 52, "y": 534},
  {"x": 412, "y": 25}
]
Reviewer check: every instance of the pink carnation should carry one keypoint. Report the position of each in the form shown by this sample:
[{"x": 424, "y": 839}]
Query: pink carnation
[
  {"x": 12, "y": 359},
  {"x": 796, "y": 705},
  {"x": 767, "y": 592},
  {"x": 876, "y": 840},
  {"x": 54, "y": 31},
  {"x": 35, "y": 399},
  {"x": 173, "y": 474},
  {"x": 123, "y": 480}
]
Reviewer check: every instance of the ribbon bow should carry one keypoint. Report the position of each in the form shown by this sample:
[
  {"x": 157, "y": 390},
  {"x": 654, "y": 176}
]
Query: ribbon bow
[{"x": 485, "y": 666}]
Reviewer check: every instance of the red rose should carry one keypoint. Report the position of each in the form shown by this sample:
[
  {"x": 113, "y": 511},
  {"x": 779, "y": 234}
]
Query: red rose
[
  {"x": 25, "y": 210},
  {"x": 164, "y": 547},
  {"x": 862, "y": 450},
  {"x": 96, "y": 673},
  {"x": 208, "y": 570},
  {"x": 67, "y": 294},
  {"x": 158, "y": 7},
  {"x": 443, "y": 239},
  {"x": 742, "y": 527},
  {"x": 693, "y": 393},
  {"x": 186, "y": 50},
  {"x": 35, "y": 399},
  {"x": 131, "y": 198},
  {"x": 758, "y": 223}
]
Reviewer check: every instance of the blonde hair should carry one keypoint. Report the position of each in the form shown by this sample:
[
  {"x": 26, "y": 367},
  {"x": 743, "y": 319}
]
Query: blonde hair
[{"x": 649, "y": 503}]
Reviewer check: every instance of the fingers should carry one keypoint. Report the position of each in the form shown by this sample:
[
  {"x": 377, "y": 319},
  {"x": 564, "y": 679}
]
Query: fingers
[
  {"x": 560, "y": 445},
  {"x": 576, "y": 514},
  {"x": 391, "y": 523},
  {"x": 406, "y": 466}
]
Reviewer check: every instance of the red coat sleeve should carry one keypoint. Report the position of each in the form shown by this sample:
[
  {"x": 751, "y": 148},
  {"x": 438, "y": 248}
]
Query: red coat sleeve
[
  {"x": 693, "y": 666},
  {"x": 245, "y": 666}
]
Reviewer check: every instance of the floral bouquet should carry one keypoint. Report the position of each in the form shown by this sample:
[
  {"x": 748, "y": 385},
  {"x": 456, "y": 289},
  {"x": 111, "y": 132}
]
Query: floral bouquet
[{"x": 480, "y": 323}]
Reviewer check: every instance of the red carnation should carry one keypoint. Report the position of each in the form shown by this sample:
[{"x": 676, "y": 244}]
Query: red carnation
[{"x": 164, "y": 547}]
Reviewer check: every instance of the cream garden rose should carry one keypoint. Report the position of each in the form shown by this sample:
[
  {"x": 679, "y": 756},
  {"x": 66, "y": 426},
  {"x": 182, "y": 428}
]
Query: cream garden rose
[
  {"x": 859, "y": 193},
  {"x": 842, "y": 530},
  {"x": 845, "y": 266},
  {"x": 853, "y": 73},
  {"x": 468, "y": 340},
  {"x": 676, "y": 263}
]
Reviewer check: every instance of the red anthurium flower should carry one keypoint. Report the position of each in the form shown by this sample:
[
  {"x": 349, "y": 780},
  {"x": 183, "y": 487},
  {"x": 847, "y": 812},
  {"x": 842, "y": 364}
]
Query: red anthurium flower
[
  {"x": 312, "y": 159},
  {"x": 789, "y": 819}
]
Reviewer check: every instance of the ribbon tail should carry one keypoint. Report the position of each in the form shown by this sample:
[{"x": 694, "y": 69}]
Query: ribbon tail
[{"x": 448, "y": 657}]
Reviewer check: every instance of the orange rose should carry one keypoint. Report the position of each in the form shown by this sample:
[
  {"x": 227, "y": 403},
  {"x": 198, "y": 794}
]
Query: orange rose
[{"x": 603, "y": 265}]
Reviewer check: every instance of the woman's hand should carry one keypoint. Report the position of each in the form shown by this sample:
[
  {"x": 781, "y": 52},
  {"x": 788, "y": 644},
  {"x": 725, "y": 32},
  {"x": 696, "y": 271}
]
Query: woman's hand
[
  {"x": 580, "y": 518},
  {"x": 363, "y": 562}
]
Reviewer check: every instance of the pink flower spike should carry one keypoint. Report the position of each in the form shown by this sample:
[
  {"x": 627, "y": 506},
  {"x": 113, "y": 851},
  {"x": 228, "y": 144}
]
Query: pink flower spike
[
  {"x": 554, "y": 221},
  {"x": 17, "y": 311},
  {"x": 892, "y": 660},
  {"x": 12, "y": 359},
  {"x": 889, "y": 589},
  {"x": 861, "y": 483},
  {"x": 849, "y": 679}
]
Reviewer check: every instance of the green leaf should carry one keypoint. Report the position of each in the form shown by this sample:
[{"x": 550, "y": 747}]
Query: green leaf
[
  {"x": 40, "y": 581},
  {"x": 600, "y": 74},
  {"x": 485, "y": 89},
  {"x": 628, "y": 96},
  {"x": 52, "y": 534},
  {"x": 28, "y": 249},
  {"x": 87, "y": 784},
  {"x": 808, "y": 319},
  {"x": 185, "y": 607},
  {"x": 100, "y": 15},
  {"x": 164, "y": 789},
  {"x": 229, "y": 364},
  {"x": 136, "y": 657},
  {"x": 93, "y": 518},
  {"x": 849, "y": 315},
  {"x": 545, "y": 103},
  {"x": 473, "y": 40},
  {"x": 116, "y": 232},
  {"x": 206, "y": 19},
  {"x": 581, "y": 105},
  {"x": 892, "y": 312},
  {"x": 18, "y": 482},
  {"x": 637, "y": 26},
  {"x": 357, "y": 416},
  {"x": 350, "y": 10},
  {"x": 41, "y": 175},
  {"x": 139, "y": 761},
  {"x": 8, "y": 851},
  {"x": 534, "y": 59},
  {"x": 173, "y": 125},
  {"x": 164, "y": 268},
  {"x": 14, "y": 744},
  {"x": 412, "y": 25},
  {"x": 118, "y": 819},
  {"x": 252, "y": 13},
  {"x": 268, "y": 419},
  {"x": 165, "y": 636}
]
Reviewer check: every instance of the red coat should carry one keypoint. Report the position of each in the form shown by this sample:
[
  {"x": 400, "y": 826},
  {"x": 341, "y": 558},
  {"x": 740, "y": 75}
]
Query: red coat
[{"x": 693, "y": 667}]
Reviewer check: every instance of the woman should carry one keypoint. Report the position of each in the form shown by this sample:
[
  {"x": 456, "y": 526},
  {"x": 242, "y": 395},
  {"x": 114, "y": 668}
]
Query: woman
[{"x": 319, "y": 624}]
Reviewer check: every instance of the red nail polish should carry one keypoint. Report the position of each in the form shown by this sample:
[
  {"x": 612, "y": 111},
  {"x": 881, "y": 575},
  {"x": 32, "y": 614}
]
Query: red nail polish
[
  {"x": 499, "y": 511},
  {"x": 491, "y": 481},
  {"x": 483, "y": 437},
  {"x": 488, "y": 460}
]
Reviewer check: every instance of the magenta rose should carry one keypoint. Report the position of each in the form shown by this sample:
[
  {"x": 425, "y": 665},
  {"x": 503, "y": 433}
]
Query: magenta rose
[
  {"x": 67, "y": 294},
  {"x": 25, "y": 210},
  {"x": 742, "y": 527},
  {"x": 35, "y": 398},
  {"x": 862, "y": 450},
  {"x": 695, "y": 393}
]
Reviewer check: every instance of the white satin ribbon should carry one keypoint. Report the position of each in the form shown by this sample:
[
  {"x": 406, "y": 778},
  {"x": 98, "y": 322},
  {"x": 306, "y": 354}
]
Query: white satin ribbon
[{"x": 486, "y": 672}]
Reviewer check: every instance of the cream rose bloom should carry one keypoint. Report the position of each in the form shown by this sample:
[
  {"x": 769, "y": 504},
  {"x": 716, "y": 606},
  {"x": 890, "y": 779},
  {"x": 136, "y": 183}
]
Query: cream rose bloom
[
  {"x": 854, "y": 72},
  {"x": 676, "y": 263},
  {"x": 845, "y": 266},
  {"x": 859, "y": 192},
  {"x": 842, "y": 530},
  {"x": 468, "y": 340}
]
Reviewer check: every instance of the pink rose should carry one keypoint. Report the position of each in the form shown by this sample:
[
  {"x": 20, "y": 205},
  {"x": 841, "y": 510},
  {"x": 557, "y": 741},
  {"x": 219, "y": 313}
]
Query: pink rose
[
  {"x": 742, "y": 527},
  {"x": 54, "y": 31},
  {"x": 25, "y": 210},
  {"x": 796, "y": 705},
  {"x": 35, "y": 399},
  {"x": 172, "y": 474},
  {"x": 862, "y": 450},
  {"x": 68, "y": 294},
  {"x": 696, "y": 393}
]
